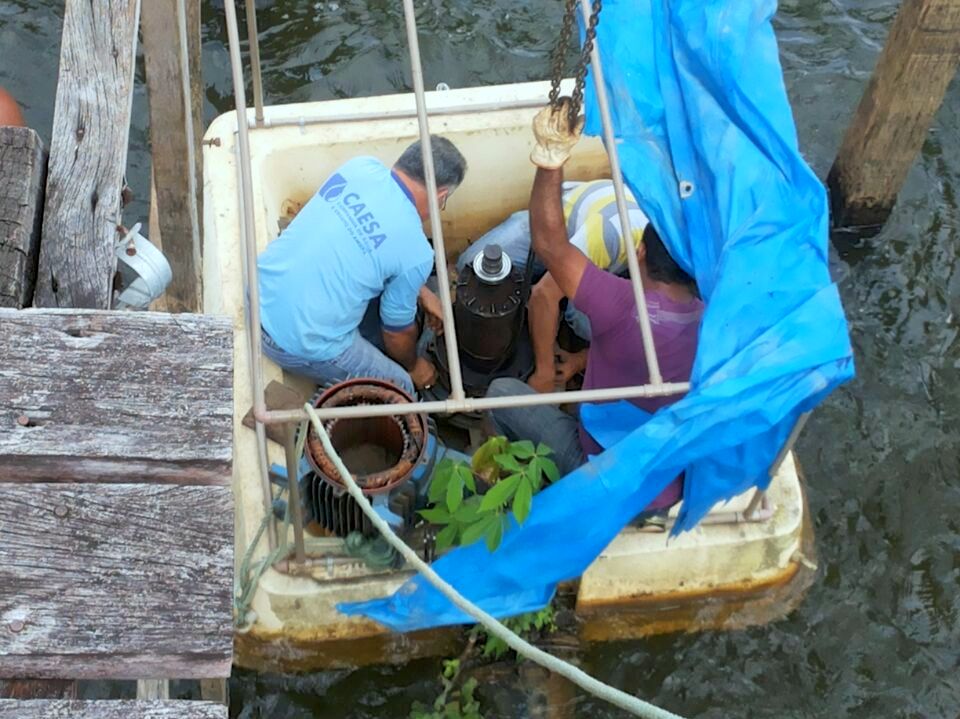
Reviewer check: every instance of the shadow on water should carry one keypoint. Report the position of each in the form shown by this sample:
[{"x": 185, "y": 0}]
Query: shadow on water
[{"x": 878, "y": 633}]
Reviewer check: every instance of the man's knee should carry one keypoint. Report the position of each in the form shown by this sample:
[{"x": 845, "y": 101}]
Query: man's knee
[{"x": 506, "y": 387}]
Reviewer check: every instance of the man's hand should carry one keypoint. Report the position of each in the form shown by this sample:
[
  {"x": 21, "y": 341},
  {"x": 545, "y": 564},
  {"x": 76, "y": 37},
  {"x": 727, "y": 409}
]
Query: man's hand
[
  {"x": 569, "y": 364},
  {"x": 543, "y": 381},
  {"x": 423, "y": 374},
  {"x": 555, "y": 137},
  {"x": 432, "y": 310}
]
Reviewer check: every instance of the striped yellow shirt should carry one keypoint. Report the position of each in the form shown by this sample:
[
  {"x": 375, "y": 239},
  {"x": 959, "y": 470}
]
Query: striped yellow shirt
[{"x": 593, "y": 223}]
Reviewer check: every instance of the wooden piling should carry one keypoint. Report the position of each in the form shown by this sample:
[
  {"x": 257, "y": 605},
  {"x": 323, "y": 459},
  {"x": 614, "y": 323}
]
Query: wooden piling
[
  {"x": 171, "y": 49},
  {"x": 88, "y": 154},
  {"x": 889, "y": 127},
  {"x": 23, "y": 171}
]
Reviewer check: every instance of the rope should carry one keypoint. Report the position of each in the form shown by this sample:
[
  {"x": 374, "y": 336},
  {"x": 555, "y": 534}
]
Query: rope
[{"x": 618, "y": 698}]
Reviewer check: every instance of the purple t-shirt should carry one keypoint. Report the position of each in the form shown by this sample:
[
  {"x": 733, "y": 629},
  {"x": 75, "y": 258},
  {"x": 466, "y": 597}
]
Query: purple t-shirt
[{"x": 616, "y": 357}]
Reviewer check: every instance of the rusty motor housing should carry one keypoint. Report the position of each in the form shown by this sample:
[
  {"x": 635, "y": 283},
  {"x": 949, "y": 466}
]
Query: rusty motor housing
[{"x": 382, "y": 454}]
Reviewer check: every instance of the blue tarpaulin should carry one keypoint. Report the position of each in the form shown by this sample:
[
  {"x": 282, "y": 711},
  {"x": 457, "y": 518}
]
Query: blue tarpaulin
[{"x": 709, "y": 148}]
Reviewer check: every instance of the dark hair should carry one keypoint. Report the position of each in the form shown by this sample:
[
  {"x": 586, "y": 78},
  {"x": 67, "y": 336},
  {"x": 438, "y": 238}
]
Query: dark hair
[
  {"x": 449, "y": 163},
  {"x": 660, "y": 265}
]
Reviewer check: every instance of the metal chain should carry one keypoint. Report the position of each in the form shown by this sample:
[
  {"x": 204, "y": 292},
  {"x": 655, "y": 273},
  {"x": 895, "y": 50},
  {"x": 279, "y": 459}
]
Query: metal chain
[
  {"x": 560, "y": 52},
  {"x": 577, "y": 100}
]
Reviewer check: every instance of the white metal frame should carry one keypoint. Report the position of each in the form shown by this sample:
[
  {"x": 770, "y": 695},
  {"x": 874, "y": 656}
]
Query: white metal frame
[{"x": 457, "y": 402}]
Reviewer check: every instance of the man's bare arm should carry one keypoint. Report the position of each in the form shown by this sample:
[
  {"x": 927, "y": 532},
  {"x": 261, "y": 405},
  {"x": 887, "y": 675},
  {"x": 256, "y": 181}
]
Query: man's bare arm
[
  {"x": 543, "y": 312},
  {"x": 402, "y": 346},
  {"x": 549, "y": 232}
]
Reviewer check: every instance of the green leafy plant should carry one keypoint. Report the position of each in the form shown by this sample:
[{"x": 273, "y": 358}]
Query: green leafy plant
[
  {"x": 526, "y": 625},
  {"x": 453, "y": 702},
  {"x": 510, "y": 472}
]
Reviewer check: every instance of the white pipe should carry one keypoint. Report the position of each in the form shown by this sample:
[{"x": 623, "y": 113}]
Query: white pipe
[
  {"x": 252, "y": 288},
  {"x": 453, "y": 354},
  {"x": 610, "y": 140},
  {"x": 253, "y": 39},
  {"x": 469, "y": 404}
]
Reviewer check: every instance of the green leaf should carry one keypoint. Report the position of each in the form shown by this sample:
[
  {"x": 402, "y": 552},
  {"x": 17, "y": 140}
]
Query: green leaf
[
  {"x": 508, "y": 462},
  {"x": 476, "y": 530},
  {"x": 482, "y": 462},
  {"x": 550, "y": 469},
  {"x": 454, "y": 493},
  {"x": 494, "y": 535},
  {"x": 437, "y": 515},
  {"x": 500, "y": 493},
  {"x": 447, "y": 537},
  {"x": 522, "y": 449},
  {"x": 543, "y": 450},
  {"x": 469, "y": 511},
  {"x": 466, "y": 476},
  {"x": 438, "y": 485},
  {"x": 534, "y": 474},
  {"x": 521, "y": 502}
]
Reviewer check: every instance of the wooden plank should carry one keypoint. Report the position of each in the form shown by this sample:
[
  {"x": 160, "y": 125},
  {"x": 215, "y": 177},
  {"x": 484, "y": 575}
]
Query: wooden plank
[
  {"x": 88, "y": 154},
  {"x": 23, "y": 171},
  {"x": 88, "y": 395},
  {"x": 111, "y": 710},
  {"x": 174, "y": 141},
  {"x": 153, "y": 689},
  {"x": 121, "y": 581},
  {"x": 893, "y": 118}
]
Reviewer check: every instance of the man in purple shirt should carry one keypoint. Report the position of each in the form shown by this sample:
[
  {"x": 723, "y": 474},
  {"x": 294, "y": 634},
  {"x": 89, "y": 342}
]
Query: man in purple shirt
[{"x": 616, "y": 357}]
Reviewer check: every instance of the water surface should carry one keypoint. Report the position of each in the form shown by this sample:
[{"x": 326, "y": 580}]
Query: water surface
[{"x": 878, "y": 635}]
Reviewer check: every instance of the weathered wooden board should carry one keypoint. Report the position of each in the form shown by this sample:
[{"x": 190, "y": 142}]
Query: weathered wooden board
[
  {"x": 110, "y": 710},
  {"x": 175, "y": 143},
  {"x": 88, "y": 395},
  {"x": 892, "y": 121},
  {"x": 23, "y": 171},
  {"x": 121, "y": 581},
  {"x": 88, "y": 154}
]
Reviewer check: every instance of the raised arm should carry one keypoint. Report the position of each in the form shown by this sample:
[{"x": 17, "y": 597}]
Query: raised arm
[{"x": 549, "y": 232}]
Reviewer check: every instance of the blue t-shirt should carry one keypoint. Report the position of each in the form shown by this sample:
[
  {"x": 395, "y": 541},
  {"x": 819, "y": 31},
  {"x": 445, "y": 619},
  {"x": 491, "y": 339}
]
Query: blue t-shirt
[{"x": 358, "y": 238}]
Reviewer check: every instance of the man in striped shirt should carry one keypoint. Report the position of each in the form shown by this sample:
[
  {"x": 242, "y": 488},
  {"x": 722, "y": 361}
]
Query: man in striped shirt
[{"x": 593, "y": 226}]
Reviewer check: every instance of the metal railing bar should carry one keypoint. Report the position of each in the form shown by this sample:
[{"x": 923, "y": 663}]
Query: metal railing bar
[
  {"x": 603, "y": 105},
  {"x": 469, "y": 404},
  {"x": 433, "y": 204},
  {"x": 404, "y": 114},
  {"x": 293, "y": 482},
  {"x": 253, "y": 38},
  {"x": 760, "y": 495},
  {"x": 252, "y": 288}
]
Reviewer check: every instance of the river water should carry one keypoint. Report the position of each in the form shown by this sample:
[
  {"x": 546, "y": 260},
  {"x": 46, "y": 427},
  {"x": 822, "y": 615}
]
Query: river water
[{"x": 878, "y": 635}]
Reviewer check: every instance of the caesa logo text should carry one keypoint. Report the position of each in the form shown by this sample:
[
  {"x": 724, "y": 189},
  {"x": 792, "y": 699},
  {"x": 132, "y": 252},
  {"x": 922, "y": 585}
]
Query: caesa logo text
[{"x": 351, "y": 209}]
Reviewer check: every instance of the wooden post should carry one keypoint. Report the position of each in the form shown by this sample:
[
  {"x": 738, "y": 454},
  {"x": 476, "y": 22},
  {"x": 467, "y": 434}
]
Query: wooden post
[
  {"x": 88, "y": 154},
  {"x": 892, "y": 120},
  {"x": 23, "y": 170},
  {"x": 153, "y": 689},
  {"x": 215, "y": 690},
  {"x": 172, "y": 62}
]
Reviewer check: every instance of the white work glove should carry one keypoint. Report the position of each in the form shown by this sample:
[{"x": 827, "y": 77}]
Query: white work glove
[{"x": 555, "y": 138}]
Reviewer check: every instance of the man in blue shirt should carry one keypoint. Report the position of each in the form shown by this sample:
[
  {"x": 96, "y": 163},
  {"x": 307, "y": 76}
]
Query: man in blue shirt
[{"x": 357, "y": 243}]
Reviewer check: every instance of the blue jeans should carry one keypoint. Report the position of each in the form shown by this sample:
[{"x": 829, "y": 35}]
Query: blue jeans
[
  {"x": 363, "y": 358},
  {"x": 513, "y": 236},
  {"x": 546, "y": 423}
]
